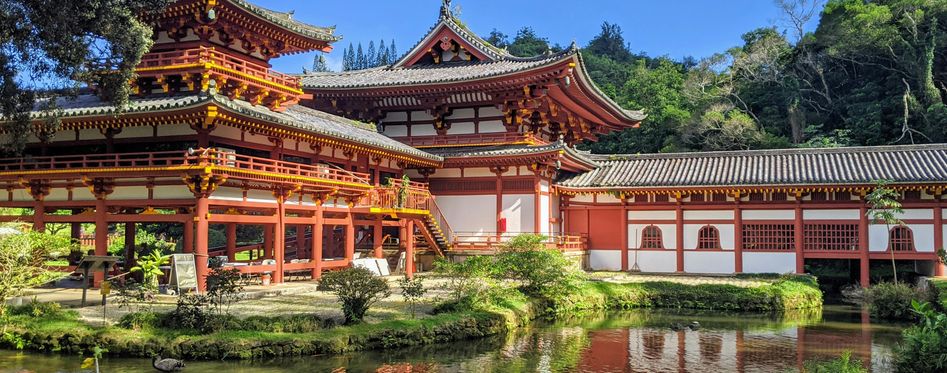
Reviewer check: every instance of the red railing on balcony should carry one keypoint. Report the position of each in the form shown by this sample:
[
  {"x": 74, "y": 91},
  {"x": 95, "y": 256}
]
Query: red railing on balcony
[
  {"x": 153, "y": 159},
  {"x": 470, "y": 139},
  {"x": 207, "y": 54},
  {"x": 266, "y": 165},
  {"x": 491, "y": 241}
]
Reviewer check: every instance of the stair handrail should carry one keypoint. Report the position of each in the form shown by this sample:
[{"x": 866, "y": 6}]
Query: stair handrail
[{"x": 441, "y": 220}]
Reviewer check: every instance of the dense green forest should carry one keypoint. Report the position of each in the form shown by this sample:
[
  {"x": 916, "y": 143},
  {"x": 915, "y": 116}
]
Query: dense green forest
[{"x": 870, "y": 73}]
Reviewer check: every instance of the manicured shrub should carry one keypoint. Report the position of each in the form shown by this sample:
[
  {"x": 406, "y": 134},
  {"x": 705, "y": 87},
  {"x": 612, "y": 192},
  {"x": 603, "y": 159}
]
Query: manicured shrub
[
  {"x": 924, "y": 346},
  {"x": 412, "y": 289},
  {"x": 841, "y": 364},
  {"x": 891, "y": 301},
  {"x": 541, "y": 272},
  {"x": 470, "y": 283},
  {"x": 140, "y": 320},
  {"x": 357, "y": 289},
  {"x": 189, "y": 314}
]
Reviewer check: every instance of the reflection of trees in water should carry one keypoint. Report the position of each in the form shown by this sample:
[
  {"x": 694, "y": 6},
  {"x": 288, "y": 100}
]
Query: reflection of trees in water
[
  {"x": 710, "y": 346},
  {"x": 653, "y": 343},
  {"x": 558, "y": 350}
]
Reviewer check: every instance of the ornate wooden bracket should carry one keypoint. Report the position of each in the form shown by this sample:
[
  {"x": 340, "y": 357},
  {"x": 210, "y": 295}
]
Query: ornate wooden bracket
[
  {"x": 203, "y": 185},
  {"x": 38, "y": 189},
  {"x": 283, "y": 193},
  {"x": 100, "y": 187},
  {"x": 426, "y": 172},
  {"x": 499, "y": 170}
]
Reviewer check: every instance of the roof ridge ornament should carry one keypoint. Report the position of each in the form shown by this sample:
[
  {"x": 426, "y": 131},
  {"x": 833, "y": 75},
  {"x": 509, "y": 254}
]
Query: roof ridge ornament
[{"x": 445, "y": 9}]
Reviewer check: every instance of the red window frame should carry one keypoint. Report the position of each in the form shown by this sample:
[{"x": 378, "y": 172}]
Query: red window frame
[
  {"x": 651, "y": 238},
  {"x": 708, "y": 238},
  {"x": 901, "y": 239},
  {"x": 775, "y": 236}
]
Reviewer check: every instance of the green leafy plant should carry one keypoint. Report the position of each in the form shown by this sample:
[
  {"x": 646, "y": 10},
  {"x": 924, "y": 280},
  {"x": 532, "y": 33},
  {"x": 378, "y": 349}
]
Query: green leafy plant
[
  {"x": 22, "y": 259},
  {"x": 150, "y": 267},
  {"x": 188, "y": 314},
  {"x": 841, "y": 364},
  {"x": 470, "y": 282},
  {"x": 223, "y": 287},
  {"x": 924, "y": 346},
  {"x": 891, "y": 301},
  {"x": 412, "y": 290},
  {"x": 883, "y": 206},
  {"x": 541, "y": 271},
  {"x": 357, "y": 289}
]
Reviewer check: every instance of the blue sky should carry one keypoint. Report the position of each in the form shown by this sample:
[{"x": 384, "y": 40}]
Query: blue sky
[{"x": 675, "y": 28}]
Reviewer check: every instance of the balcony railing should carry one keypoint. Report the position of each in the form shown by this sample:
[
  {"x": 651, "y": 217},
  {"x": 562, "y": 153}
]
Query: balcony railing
[
  {"x": 492, "y": 241},
  {"x": 470, "y": 139},
  {"x": 202, "y": 54}
]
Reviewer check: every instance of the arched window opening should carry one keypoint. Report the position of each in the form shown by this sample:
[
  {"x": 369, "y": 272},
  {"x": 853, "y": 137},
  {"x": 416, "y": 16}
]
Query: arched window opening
[
  {"x": 708, "y": 238},
  {"x": 651, "y": 238},
  {"x": 901, "y": 238}
]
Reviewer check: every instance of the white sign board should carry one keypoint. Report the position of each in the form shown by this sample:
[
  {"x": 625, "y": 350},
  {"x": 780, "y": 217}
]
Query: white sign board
[{"x": 183, "y": 271}]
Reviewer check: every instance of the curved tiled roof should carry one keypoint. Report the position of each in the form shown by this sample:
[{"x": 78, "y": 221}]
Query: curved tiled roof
[
  {"x": 512, "y": 150},
  {"x": 386, "y": 76},
  {"x": 285, "y": 20},
  {"x": 296, "y": 116},
  {"x": 855, "y": 165}
]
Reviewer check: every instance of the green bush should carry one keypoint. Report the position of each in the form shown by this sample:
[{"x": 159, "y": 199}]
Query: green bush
[
  {"x": 357, "y": 289},
  {"x": 541, "y": 272},
  {"x": 470, "y": 283},
  {"x": 891, "y": 301},
  {"x": 924, "y": 346},
  {"x": 841, "y": 364},
  {"x": 140, "y": 320}
]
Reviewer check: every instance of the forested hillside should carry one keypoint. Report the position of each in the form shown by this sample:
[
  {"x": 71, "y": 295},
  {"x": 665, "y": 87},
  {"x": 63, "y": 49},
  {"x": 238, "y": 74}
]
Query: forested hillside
[{"x": 871, "y": 73}]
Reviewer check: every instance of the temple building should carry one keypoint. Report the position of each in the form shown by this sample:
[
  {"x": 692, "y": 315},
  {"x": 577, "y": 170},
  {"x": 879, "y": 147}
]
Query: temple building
[{"x": 214, "y": 138}]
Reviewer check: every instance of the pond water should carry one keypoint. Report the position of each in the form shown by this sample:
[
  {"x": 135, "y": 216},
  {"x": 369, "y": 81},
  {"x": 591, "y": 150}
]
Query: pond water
[{"x": 638, "y": 341}]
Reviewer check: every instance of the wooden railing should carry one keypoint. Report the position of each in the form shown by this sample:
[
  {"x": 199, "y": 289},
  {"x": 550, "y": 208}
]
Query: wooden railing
[
  {"x": 438, "y": 217},
  {"x": 414, "y": 196},
  {"x": 266, "y": 165},
  {"x": 470, "y": 139},
  {"x": 153, "y": 159},
  {"x": 210, "y": 55},
  {"x": 488, "y": 241}
]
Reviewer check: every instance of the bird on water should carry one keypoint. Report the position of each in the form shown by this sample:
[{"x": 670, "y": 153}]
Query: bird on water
[{"x": 167, "y": 365}]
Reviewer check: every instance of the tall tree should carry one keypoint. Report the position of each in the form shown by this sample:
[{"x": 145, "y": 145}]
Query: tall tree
[
  {"x": 319, "y": 64},
  {"x": 393, "y": 51},
  {"x": 348, "y": 58},
  {"x": 47, "y": 45},
  {"x": 383, "y": 57},
  {"x": 610, "y": 43},
  {"x": 371, "y": 57},
  {"x": 498, "y": 39},
  {"x": 528, "y": 44},
  {"x": 361, "y": 62}
]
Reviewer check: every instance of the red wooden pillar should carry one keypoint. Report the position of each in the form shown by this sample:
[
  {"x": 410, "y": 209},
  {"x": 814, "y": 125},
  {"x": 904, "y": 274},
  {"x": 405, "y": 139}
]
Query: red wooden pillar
[
  {"x": 864, "y": 262},
  {"x": 300, "y": 240},
  {"x": 737, "y": 236},
  {"x": 317, "y": 228},
  {"x": 350, "y": 238},
  {"x": 202, "y": 233},
  {"x": 739, "y": 347},
  {"x": 379, "y": 243},
  {"x": 409, "y": 250},
  {"x": 188, "y": 245},
  {"x": 940, "y": 269},
  {"x": 231, "y": 241},
  {"x": 101, "y": 236},
  {"x": 129, "y": 246},
  {"x": 624, "y": 235},
  {"x": 537, "y": 196},
  {"x": 39, "y": 216},
  {"x": 279, "y": 241},
  {"x": 679, "y": 234},
  {"x": 499, "y": 187},
  {"x": 268, "y": 241},
  {"x": 798, "y": 238}
]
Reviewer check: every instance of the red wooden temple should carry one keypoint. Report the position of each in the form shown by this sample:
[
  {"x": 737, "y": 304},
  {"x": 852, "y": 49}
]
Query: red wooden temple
[{"x": 215, "y": 139}]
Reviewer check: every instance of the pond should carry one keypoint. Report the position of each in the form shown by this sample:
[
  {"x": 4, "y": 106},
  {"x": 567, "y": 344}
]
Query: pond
[{"x": 637, "y": 341}]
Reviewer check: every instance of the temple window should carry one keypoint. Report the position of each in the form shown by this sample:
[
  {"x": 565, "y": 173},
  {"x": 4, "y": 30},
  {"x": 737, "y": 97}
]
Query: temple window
[
  {"x": 819, "y": 196},
  {"x": 831, "y": 237},
  {"x": 901, "y": 238},
  {"x": 719, "y": 197},
  {"x": 912, "y": 195},
  {"x": 780, "y": 196},
  {"x": 708, "y": 238},
  {"x": 651, "y": 238},
  {"x": 756, "y": 196},
  {"x": 769, "y": 237}
]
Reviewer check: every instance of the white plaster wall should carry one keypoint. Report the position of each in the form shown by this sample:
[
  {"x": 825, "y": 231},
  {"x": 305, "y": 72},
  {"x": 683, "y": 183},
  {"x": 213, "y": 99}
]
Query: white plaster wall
[
  {"x": 769, "y": 214},
  {"x": 607, "y": 198},
  {"x": 491, "y": 126},
  {"x": 769, "y": 262},
  {"x": 654, "y": 260},
  {"x": 396, "y": 130},
  {"x": 708, "y": 262},
  {"x": 129, "y": 192},
  {"x": 169, "y": 192},
  {"x": 137, "y": 131},
  {"x": 489, "y": 111},
  {"x": 461, "y": 128},
  {"x": 652, "y": 215},
  {"x": 478, "y": 172},
  {"x": 605, "y": 260},
  {"x": 396, "y": 116},
  {"x": 927, "y": 214},
  {"x": 90, "y": 134},
  {"x": 464, "y": 113},
  {"x": 423, "y": 130},
  {"x": 556, "y": 228},
  {"x": 58, "y": 194},
  {"x": 518, "y": 211},
  {"x": 228, "y": 194},
  {"x": 584, "y": 198},
  {"x": 708, "y": 215},
  {"x": 923, "y": 237},
  {"x": 691, "y": 232},
  {"x": 668, "y": 235},
  {"x": 832, "y": 214},
  {"x": 420, "y": 115},
  {"x": 84, "y": 194},
  {"x": 167, "y": 130},
  {"x": 446, "y": 172},
  {"x": 544, "y": 213},
  {"x": 469, "y": 213}
]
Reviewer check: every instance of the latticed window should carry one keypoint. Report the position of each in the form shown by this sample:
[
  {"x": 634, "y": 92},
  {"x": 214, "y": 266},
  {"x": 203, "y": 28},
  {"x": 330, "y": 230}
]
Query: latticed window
[
  {"x": 780, "y": 196},
  {"x": 697, "y": 197},
  {"x": 769, "y": 237},
  {"x": 843, "y": 196},
  {"x": 708, "y": 237},
  {"x": 651, "y": 238},
  {"x": 833, "y": 237},
  {"x": 912, "y": 195},
  {"x": 901, "y": 238},
  {"x": 756, "y": 196},
  {"x": 719, "y": 197},
  {"x": 819, "y": 196}
]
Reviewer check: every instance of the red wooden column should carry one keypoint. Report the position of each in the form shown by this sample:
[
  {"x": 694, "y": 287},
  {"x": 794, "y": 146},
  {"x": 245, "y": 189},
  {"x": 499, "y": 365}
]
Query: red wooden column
[
  {"x": 317, "y": 241},
  {"x": 231, "y": 241},
  {"x": 350, "y": 237},
  {"x": 409, "y": 250},
  {"x": 129, "y": 246},
  {"x": 268, "y": 241},
  {"x": 300, "y": 239},
  {"x": 279, "y": 241},
  {"x": 379, "y": 242},
  {"x": 202, "y": 233},
  {"x": 39, "y": 215},
  {"x": 537, "y": 196},
  {"x": 624, "y": 234},
  {"x": 499, "y": 172},
  {"x": 737, "y": 235},
  {"x": 679, "y": 234},
  {"x": 864, "y": 262},
  {"x": 940, "y": 269},
  {"x": 101, "y": 235},
  {"x": 798, "y": 238},
  {"x": 188, "y": 238}
]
